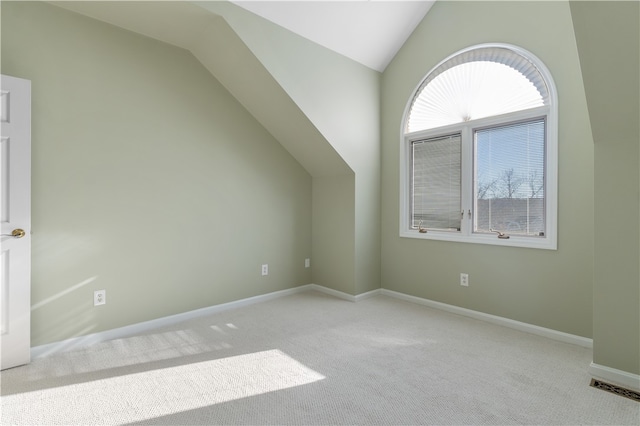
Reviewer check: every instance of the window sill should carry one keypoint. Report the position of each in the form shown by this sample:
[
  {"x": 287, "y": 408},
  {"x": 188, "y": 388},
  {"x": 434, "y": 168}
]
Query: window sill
[{"x": 544, "y": 243}]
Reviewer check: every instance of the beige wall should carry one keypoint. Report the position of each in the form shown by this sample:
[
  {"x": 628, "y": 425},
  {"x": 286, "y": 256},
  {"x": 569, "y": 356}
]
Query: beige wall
[
  {"x": 149, "y": 179},
  {"x": 614, "y": 110},
  {"x": 546, "y": 288}
]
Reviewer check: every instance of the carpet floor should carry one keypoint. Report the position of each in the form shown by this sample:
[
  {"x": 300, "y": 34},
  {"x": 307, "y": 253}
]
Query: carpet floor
[{"x": 310, "y": 358}]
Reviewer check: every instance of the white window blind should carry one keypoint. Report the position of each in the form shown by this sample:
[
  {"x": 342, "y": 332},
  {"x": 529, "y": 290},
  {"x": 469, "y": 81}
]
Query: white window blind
[
  {"x": 436, "y": 183},
  {"x": 475, "y": 84},
  {"x": 510, "y": 184}
]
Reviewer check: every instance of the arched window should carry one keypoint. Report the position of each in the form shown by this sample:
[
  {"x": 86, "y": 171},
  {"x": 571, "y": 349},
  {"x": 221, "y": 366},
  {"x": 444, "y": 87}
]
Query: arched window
[{"x": 479, "y": 141}]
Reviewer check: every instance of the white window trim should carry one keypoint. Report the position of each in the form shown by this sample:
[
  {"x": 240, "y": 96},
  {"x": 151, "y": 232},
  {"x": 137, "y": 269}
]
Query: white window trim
[{"x": 466, "y": 235}]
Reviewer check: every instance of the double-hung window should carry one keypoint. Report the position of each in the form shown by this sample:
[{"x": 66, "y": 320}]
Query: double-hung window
[{"x": 479, "y": 151}]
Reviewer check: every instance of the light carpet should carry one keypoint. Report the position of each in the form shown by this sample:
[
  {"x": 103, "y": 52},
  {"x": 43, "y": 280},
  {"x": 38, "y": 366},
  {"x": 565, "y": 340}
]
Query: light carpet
[{"x": 315, "y": 359}]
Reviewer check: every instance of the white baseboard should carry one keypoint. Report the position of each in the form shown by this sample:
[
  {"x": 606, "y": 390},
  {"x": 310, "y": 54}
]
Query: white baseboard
[
  {"x": 343, "y": 295},
  {"x": 332, "y": 292},
  {"x": 117, "y": 333},
  {"x": 368, "y": 294},
  {"x": 614, "y": 376},
  {"x": 506, "y": 322},
  {"x": 609, "y": 374},
  {"x": 83, "y": 341}
]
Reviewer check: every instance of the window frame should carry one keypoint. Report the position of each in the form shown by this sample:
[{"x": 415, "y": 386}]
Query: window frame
[{"x": 468, "y": 167}]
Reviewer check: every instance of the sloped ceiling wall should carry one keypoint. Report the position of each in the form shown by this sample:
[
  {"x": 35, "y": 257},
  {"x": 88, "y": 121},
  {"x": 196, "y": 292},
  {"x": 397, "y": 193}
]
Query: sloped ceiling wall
[
  {"x": 230, "y": 61},
  {"x": 341, "y": 98}
]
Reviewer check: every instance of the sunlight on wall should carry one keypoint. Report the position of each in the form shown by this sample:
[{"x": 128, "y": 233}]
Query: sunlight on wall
[
  {"x": 78, "y": 320},
  {"x": 62, "y": 293},
  {"x": 164, "y": 391}
]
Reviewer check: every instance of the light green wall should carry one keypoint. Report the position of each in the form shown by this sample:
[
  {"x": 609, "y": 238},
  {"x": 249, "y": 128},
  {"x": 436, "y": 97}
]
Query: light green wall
[
  {"x": 333, "y": 242},
  {"x": 149, "y": 179},
  {"x": 131, "y": 135},
  {"x": 609, "y": 33},
  {"x": 234, "y": 65},
  {"x": 546, "y": 288},
  {"x": 342, "y": 99}
]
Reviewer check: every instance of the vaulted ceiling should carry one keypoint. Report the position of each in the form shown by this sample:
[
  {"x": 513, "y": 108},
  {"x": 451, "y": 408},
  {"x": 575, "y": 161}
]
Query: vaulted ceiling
[{"x": 369, "y": 32}]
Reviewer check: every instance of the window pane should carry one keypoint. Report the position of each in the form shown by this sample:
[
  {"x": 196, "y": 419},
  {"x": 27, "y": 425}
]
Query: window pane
[
  {"x": 435, "y": 183},
  {"x": 510, "y": 179}
]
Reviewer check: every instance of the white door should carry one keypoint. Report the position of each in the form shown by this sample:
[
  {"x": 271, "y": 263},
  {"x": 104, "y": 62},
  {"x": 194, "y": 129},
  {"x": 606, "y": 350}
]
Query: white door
[{"x": 15, "y": 243}]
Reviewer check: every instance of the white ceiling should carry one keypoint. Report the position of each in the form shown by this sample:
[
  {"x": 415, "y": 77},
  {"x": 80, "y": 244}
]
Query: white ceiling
[{"x": 369, "y": 32}]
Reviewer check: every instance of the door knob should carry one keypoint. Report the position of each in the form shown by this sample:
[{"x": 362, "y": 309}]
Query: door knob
[{"x": 16, "y": 233}]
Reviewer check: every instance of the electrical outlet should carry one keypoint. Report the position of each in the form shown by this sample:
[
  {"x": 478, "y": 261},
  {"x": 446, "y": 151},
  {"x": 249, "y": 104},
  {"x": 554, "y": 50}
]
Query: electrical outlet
[
  {"x": 464, "y": 280},
  {"x": 265, "y": 269},
  {"x": 99, "y": 297},
  {"x": 307, "y": 263}
]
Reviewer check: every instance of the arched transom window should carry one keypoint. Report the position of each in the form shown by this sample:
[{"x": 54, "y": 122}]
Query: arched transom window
[{"x": 479, "y": 157}]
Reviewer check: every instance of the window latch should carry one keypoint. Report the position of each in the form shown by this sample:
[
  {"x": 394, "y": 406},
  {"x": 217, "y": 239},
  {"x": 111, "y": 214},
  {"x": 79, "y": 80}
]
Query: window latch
[{"x": 501, "y": 235}]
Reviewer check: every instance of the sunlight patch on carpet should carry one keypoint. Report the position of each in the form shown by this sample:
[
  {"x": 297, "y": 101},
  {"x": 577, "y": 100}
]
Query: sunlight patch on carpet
[{"x": 146, "y": 395}]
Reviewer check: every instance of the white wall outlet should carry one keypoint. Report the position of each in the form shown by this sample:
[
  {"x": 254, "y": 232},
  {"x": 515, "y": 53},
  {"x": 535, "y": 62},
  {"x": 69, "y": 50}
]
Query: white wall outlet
[
  {"x": 99, "y": 297},
  {"x": 307, "y": 263},
  {"x": 265, "y": 269},
  {"x": 464, "y": 280}
]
